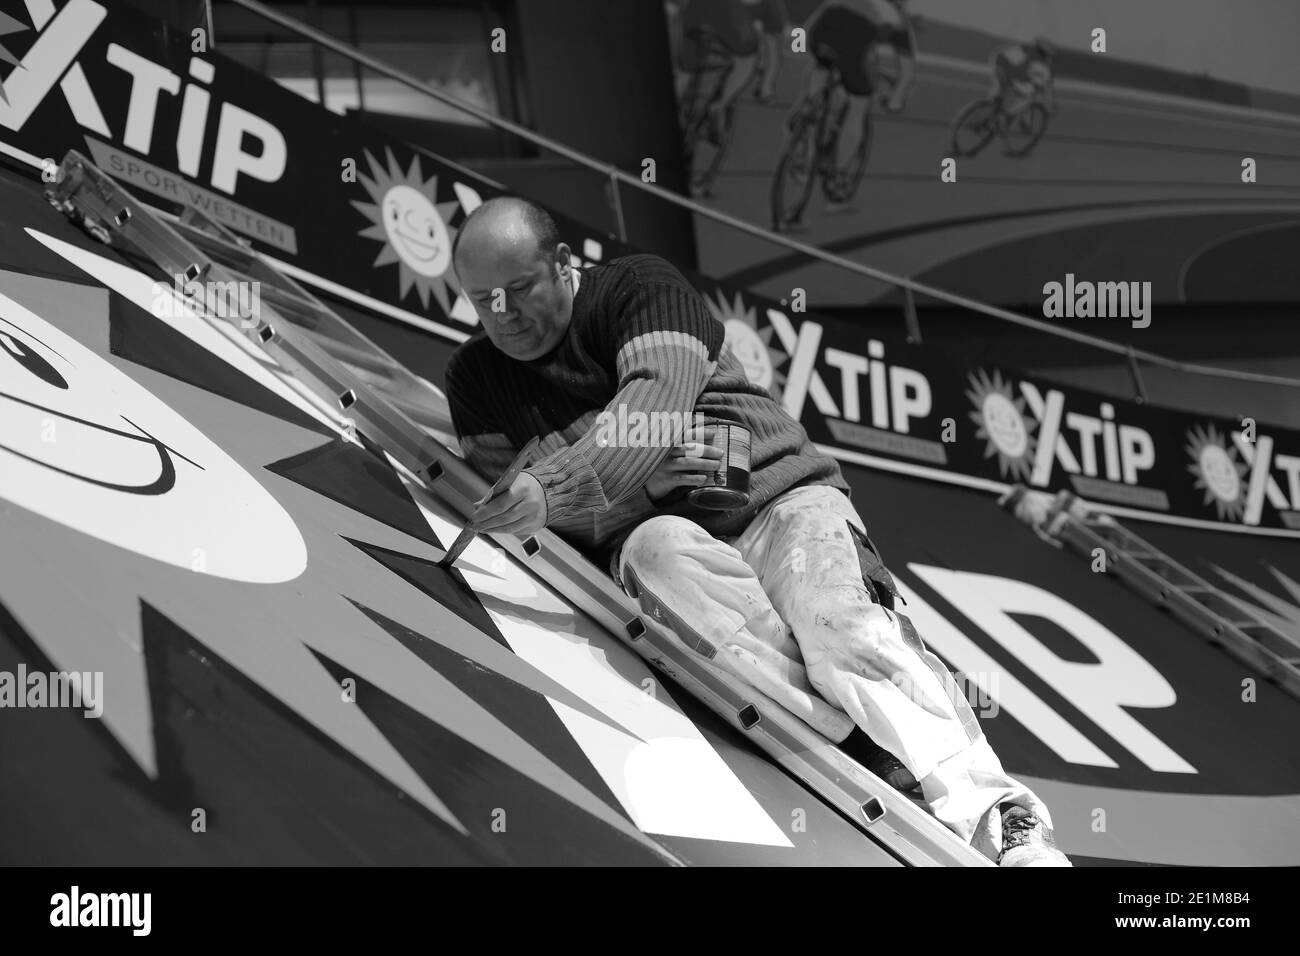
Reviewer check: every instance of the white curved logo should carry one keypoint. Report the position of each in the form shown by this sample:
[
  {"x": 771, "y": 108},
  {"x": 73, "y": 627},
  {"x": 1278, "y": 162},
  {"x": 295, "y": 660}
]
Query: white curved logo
[{"x": 85, "y": 445}]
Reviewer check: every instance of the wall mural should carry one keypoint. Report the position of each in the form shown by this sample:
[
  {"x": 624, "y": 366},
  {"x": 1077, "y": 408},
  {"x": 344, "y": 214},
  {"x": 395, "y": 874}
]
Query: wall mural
[{"x": 990, "y": 148}]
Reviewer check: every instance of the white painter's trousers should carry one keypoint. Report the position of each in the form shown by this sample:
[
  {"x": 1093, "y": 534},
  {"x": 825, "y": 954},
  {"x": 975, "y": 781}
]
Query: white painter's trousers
[{"x": 786, "y": 606}]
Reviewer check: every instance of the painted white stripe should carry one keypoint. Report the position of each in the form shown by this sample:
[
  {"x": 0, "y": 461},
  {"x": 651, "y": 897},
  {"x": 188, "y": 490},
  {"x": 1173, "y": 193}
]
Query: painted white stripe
[
  {"x": 343, "y": 292},
  {"x": 671, "y": 781}
]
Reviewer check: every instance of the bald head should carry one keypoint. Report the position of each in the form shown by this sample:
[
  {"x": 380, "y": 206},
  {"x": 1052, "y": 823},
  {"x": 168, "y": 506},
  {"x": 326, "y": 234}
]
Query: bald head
[
  {"x": 512, "y": 266},
  {"x": 506, "y": 224}
]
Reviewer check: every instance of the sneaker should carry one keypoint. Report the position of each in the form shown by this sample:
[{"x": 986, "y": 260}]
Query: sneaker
[
  {"x": 878, "y": 760},
  {"x": 1026, "y": 841},
  {"x": 891, "y": 770}
]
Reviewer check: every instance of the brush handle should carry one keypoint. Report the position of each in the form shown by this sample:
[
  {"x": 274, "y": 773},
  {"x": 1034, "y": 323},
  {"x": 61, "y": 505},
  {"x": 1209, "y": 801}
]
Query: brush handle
[{"x": 505, "y": 481}]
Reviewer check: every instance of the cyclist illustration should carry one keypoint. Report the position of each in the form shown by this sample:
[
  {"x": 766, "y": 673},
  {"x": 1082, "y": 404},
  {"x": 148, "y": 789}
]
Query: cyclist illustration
[
  {"x": 862, "y": 50},
  {"x": 720, "y": 48},
  {"x": 1023, "y": 71},
  {"x": 1019, "y": 103}
]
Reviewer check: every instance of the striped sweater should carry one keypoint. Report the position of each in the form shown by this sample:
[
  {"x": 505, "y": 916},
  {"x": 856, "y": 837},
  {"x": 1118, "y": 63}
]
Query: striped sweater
[{"x": 641, "y": 341}]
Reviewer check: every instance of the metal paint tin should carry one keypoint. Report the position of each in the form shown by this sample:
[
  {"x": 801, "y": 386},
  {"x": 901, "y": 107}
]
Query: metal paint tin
[{"x": 729, "y": 487}]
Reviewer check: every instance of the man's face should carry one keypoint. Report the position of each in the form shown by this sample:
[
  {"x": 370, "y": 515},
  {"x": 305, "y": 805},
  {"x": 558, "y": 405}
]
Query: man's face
[{"x": 523, "y": 300}]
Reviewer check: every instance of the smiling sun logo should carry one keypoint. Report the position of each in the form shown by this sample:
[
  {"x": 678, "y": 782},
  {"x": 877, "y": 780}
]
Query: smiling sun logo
[
  {"x": 1002, "y": 422},
  {"x": 751, "y": 345},
  {"x": 1218, "y": 471},
  {"x": 407, "y": 218}
]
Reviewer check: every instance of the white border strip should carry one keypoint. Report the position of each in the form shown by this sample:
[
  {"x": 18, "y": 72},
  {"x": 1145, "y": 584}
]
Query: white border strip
[
  {"x": 986, "y": 484},
  {"x": 21, "y": 155},
  {"x": 343, "y": 292}
]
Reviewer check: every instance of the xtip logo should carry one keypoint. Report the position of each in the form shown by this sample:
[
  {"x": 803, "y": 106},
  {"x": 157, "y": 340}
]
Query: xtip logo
[
  {"x": 1032, "y": 434},
  {"x": 1236, "y": 472},
  {"x": 75, "y": 908},
  {"x": 52, "y": 63}
]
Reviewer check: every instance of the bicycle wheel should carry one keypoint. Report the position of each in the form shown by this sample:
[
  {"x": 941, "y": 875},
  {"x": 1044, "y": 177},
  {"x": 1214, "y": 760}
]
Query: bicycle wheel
[
  {"x": 1022, "y": 133},
  {"x": 973, "y": 128},
  {"x": 792, "y": 182},
  {"x": 843, "y": 186}
]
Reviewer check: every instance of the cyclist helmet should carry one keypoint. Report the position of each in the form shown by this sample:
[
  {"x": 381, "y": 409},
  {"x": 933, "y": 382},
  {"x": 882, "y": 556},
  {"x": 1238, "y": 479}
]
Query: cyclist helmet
[{"x": 1045, "y": 48}]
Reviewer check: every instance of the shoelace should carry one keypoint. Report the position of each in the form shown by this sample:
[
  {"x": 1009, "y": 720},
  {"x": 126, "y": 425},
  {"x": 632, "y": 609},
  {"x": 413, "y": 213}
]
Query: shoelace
[{"x": 1017, "y": 829}]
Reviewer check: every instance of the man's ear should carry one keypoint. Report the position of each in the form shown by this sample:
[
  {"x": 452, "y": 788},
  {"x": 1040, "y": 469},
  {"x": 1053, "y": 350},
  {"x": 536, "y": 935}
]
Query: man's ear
[{"x": 563, "y": 260}]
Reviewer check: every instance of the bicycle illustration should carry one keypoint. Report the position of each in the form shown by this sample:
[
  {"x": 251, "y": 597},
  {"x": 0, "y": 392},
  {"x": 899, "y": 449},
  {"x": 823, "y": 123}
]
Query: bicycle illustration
[
  {"x": 1019, "y": 129},
  {"x": 810, "y": 154},
  {"x": 705, "y": 141}
]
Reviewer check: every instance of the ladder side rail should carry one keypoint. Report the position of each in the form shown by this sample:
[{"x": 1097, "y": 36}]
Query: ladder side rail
[{"x": 1185, "y": 607}]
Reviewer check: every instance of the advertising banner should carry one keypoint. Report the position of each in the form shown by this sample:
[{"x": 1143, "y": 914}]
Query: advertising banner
[
  {"x": 353, "y": 211},
  {"x": 177, "y": 123}
]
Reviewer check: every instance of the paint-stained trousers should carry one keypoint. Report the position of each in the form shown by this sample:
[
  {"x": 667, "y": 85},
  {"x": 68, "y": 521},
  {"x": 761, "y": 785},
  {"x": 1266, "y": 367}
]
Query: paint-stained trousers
[{"x": 799, "y": 605}]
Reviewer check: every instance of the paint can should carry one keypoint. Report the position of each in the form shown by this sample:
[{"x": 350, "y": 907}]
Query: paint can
[{"x": 728, "y": 487}]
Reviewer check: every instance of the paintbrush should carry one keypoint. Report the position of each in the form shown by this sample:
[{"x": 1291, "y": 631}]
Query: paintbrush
[{"x": 466, "y": 536}]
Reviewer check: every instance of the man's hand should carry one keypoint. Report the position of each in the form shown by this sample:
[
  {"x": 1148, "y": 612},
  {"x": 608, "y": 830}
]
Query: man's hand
[
  {"x": 520, "y": 509},
  {"x": 692, "y": 463}
]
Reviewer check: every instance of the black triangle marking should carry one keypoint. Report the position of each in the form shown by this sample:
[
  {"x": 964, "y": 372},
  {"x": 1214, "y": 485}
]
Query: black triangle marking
[
  {"x": 522, "y": 709},
  {"x": 271, "y": 784},
  {"x": 362, "y": 482},
  {"x": 447, "y": 587},
  {"x": 499, "y": 806}
]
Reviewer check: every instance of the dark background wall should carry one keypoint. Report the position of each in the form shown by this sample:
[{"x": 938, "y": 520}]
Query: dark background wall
[{"x": 598, "y": 79}]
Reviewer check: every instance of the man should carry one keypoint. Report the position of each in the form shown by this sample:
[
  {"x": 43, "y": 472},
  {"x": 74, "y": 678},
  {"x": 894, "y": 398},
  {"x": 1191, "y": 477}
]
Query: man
[
  {"x": 783, "y": 587},
  {"x": 1020, "y": 71},
  {"x": 856, "y": 37}
]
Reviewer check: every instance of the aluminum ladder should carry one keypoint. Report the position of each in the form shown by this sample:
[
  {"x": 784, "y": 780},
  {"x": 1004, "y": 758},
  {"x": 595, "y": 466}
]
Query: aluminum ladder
[
  {"x": 401, "y": 415},
  {"x": 1165, "y": 582}
]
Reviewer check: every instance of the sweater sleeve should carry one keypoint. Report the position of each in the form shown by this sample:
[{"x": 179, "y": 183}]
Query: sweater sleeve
[
  {"x": 664, "y": 345},
  {"x": 484, "y": 444},
  {"x": 489, "y": 452}
]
